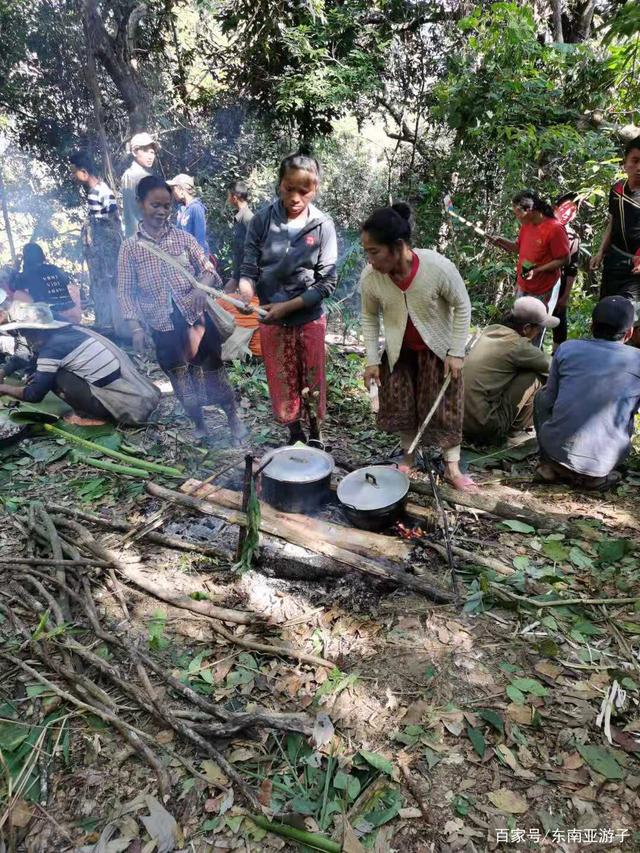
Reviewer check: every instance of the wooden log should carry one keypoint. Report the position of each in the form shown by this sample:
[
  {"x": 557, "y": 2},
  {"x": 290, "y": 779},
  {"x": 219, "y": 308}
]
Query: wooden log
[
  {"x": 471, "y": 558},
  {"x": 185, "y": 602},
  {"x": 292, "y": 533},
  {"x": 277, "y": 558},
  {"x": 173, "y": 542},
  {"x": 509, "y": 504},
  {"x": 362, "y": 542}
]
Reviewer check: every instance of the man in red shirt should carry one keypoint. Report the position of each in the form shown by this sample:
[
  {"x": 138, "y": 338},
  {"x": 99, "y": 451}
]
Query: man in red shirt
[{"x": 542, "y": 247}]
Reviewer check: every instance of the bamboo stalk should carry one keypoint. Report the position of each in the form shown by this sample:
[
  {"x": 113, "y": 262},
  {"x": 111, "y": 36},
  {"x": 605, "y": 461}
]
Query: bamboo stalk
[
  {"x": 115, "y": 454},
  {"x": 114, "y": 468},
  {"x": 317, "y": 842}
]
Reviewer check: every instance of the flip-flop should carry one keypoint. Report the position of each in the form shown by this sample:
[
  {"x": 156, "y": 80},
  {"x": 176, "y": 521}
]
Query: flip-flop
[
  {"x": 463, "y": 483},
  {"x": 607, "y": 482}
]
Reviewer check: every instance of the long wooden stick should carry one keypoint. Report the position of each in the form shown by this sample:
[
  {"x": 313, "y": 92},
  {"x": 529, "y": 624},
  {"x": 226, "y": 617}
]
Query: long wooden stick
[
  {"x": 468, "y": 223},
  {"x": 430, "y": 414},
  {"x": 447, "y": 381}
]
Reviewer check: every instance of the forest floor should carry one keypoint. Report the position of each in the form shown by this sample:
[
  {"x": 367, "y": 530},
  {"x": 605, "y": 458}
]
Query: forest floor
[{"x": 432, "y": 728}]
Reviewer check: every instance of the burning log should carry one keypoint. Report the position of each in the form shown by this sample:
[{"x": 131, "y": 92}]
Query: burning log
[
  {"x": 362, "y": 542},
  {"x": 299, "y": 534}
]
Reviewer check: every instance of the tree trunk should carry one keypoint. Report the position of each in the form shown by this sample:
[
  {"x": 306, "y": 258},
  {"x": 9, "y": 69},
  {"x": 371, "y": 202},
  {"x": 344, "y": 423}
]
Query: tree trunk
[
  {"x": 5, "y": 216},
  {"x": 556, "y": 10},
  {"x": 91, "y": 77},
  {"x": 119, "y": 68},
  {"x": 579, "y": 28}
]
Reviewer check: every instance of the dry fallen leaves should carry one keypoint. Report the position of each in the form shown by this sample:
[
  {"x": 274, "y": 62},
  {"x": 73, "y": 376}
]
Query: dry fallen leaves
[
  {"x": 161, "y": 826},
  {"x": 508, "y": 801},
  {"x": 350, "y": 842},
  {"x": 264, "y": 795}
]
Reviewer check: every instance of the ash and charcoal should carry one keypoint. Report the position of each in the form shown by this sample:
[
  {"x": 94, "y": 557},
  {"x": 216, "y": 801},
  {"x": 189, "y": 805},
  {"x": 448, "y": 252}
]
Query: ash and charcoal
[{"x": 200, "y": 529}]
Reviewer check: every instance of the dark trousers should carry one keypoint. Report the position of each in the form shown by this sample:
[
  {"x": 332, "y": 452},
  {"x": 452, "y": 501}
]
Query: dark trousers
[
  {"x": 172, "y": 348},
  {"x": 77, "y": 393}
]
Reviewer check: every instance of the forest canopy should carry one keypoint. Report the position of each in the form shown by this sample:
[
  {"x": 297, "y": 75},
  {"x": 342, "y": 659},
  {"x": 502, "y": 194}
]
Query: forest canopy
[{"x": 399, "y": 100}]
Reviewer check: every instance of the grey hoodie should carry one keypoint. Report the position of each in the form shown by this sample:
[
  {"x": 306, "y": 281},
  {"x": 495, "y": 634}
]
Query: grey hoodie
[{"x": 282, "y": 268}]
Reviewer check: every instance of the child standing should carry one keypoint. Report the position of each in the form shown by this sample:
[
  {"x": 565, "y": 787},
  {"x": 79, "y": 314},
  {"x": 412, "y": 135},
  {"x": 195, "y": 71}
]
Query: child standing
[{"x": 290, "y": 259}]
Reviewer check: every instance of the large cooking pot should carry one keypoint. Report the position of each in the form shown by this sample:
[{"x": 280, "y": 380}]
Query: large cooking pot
[
  {"x": 373, "y": 497},
  {"x": 296, "y": 479}
]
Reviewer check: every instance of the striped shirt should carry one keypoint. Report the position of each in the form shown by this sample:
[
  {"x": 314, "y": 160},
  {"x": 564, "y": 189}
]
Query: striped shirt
[
  {"x": 148, "y": 287},
  {"x": 72, "y": 349},
  {"x": 102, "y": 201}
]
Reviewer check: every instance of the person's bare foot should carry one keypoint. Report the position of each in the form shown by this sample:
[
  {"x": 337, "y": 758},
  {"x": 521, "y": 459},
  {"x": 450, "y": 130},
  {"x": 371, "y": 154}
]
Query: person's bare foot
[
  {"x": 459, "y": 481},
  {"x": 78, "y": 420}
]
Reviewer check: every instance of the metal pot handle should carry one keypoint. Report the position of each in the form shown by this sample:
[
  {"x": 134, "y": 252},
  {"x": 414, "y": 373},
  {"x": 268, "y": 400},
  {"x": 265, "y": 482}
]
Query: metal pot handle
[{"x": 371, "y": 479}]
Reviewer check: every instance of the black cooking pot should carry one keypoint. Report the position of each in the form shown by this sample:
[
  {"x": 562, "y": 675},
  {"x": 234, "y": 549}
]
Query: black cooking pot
[
  {"x": 374, "y": 497},
  {"x": 296, "y": 479}
]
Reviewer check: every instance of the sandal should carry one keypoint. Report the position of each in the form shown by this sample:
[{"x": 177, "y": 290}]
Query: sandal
[
  {"x": 463, "y": 483},
  {"x": 603, "y": 483}
]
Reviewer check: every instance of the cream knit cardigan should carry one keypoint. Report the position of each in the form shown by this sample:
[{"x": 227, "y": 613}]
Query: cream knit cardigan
[{"x": 437, "y": 302}]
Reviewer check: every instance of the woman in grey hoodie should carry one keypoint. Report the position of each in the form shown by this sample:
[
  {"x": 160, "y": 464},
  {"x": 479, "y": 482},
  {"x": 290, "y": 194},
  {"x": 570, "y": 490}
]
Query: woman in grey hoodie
[{"x": 289, "y": 260}]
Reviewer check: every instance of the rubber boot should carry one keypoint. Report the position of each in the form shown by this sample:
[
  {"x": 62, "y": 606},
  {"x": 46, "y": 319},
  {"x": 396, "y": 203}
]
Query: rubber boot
[
  {"x": 213, "y": 388},
  {"x": 296, "y": 433},
  {"x": 185, "y": 390},
  {"x": 315, "y": 433}
]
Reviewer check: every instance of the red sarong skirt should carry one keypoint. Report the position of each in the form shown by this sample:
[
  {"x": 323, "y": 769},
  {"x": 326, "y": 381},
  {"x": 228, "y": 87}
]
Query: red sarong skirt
[{"x": 294, "y": 359}]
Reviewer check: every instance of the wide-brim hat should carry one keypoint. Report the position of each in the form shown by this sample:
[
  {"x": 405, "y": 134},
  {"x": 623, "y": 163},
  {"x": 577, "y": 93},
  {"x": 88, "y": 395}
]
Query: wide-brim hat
[{"x": 31, "y": 315}]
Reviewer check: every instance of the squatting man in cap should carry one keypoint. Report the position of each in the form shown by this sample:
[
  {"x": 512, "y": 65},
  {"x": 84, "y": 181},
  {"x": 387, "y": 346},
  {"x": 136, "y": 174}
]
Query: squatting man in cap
[
  {"x": 144, "y": 149},
  {"x": 584, "y": 416},
  {"x": 90, "y": 373},
  {"x": 192, "y": 213},
  {"x": 503, "y": 372}
]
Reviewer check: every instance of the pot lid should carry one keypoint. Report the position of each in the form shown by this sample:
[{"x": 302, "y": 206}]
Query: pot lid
[
  {"x": 298, "y": 465},
  {"x": 373, "y": 487}
]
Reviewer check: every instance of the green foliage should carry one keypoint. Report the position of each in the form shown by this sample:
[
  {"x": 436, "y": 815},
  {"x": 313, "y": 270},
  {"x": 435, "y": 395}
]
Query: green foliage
[{"x": 156, "y": 639}]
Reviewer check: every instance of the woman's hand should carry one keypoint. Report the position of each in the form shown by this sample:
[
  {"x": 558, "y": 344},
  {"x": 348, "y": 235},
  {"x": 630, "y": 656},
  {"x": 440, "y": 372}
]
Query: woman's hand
[
  {"x": 453, "y": 365},
  {"x": 245, "y": 289},
  {"x": 138, "y": 341},
  {"x": 371, "y": 375},
  {"x": 530, "y": 274},
  {"x": 275, "y": 312},
  {"x": 199, "y": 301},
  {"x": 596, "y": 262}
]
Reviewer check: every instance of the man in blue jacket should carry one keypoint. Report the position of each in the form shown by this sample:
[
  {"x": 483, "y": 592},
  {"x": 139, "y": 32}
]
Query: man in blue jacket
[
  {"x": 584, "y": 416},
  {"x": 192, "y": 214}
]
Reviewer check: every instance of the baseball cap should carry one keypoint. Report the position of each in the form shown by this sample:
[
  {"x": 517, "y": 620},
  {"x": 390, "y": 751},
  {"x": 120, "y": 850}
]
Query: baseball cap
[
  {"x": 141, "y": 140},
  {"x": 182, "y": 180},
  {"x": 617, "y": 313},
  {"x": 528, "y": 309}
]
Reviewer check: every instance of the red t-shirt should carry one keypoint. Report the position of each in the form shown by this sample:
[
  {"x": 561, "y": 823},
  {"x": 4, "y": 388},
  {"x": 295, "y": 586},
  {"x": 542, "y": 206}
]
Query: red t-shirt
[
  {"x": 412, "y": 338},
  {"x": 539, "y": 245}
]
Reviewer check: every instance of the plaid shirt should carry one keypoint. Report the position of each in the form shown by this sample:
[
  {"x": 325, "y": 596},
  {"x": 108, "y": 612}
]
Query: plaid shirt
[{"x": 147, "y": 285}]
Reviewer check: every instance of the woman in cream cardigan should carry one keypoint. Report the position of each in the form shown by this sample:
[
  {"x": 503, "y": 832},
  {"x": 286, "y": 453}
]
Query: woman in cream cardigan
[{"x": 426, "y": 311}]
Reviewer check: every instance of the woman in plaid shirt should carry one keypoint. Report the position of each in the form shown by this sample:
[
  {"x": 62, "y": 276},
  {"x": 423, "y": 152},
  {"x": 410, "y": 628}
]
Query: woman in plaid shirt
[{"x": 153, "y": 293}]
